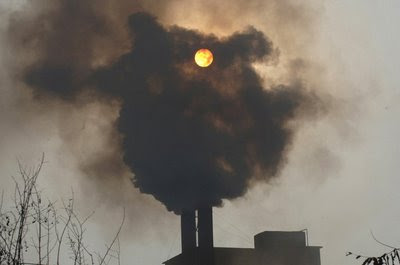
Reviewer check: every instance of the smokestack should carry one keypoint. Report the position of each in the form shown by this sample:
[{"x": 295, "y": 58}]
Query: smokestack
[
  {"x": 205, "y": 235},
  {"x": 188, "y": 230}
]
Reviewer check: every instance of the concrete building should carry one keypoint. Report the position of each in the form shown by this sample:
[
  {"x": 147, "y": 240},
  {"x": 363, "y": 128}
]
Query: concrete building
[{"x": 270, "y": 247}]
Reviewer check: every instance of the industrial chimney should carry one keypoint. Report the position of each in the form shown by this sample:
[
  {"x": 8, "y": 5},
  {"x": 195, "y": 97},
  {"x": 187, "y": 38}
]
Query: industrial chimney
[
  {"x": 188, "y": 230},
  {"x": 197, "y": 248},
  {"x": 205, "y": 235}
]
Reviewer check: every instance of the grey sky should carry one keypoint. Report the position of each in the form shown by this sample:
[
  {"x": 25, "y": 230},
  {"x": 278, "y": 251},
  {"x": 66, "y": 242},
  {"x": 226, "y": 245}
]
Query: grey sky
[{"x": 341, "y": 179}]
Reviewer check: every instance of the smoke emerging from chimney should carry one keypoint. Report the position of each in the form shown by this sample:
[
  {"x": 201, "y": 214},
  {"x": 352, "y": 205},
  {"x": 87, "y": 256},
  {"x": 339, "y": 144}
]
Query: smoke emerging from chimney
[{"x": 191, "y": 136}]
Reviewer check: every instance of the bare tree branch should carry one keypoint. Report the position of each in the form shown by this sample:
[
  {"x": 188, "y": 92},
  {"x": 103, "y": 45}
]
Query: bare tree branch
[{"x": 115, "y": 238}]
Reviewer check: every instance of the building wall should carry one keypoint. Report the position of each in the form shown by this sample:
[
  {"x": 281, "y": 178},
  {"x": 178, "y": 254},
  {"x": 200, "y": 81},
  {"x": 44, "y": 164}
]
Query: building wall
[{"x": 271, "y": 248}]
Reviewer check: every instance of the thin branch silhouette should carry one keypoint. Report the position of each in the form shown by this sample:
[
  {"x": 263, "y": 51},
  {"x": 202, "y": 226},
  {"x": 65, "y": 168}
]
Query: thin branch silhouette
[{"x": 43, "y": 231}]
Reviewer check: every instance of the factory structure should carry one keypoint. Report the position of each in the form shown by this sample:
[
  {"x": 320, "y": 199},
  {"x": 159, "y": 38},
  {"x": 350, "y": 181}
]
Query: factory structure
[{"x": 270, "y": 247}]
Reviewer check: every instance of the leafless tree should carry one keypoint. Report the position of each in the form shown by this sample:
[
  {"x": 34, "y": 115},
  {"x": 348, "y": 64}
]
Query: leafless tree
[
  {"x": 392, "y": 257},
  {"x": 35, "y": 231}
]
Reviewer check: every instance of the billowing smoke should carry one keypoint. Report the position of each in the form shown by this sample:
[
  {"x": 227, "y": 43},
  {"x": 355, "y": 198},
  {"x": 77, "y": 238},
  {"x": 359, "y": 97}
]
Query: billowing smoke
[{"x": 191, "y": 135}]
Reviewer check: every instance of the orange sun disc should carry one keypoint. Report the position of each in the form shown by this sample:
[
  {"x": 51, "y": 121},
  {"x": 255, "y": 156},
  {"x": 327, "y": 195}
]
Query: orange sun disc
[{"x": 203, "y": 57}]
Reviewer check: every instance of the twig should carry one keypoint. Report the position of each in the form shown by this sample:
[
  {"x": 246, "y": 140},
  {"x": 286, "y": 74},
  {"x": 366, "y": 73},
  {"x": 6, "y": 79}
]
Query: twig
[
  {"x": 383, "y": 244},
  {"x": 115, "y": 238}
]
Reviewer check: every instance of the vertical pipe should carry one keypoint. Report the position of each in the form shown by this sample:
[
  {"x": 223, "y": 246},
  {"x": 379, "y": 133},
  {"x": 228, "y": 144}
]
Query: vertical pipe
[
  {"x": 205, "y": 235},
  {"x": 188, "y": 230}
]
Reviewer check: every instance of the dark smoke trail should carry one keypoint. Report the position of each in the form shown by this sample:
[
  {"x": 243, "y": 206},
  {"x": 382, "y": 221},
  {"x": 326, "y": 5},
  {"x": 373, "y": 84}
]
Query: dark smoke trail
[{"x": 191, "y": 136}]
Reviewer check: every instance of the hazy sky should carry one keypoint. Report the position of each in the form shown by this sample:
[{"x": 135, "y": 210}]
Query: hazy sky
[{"x": 341, "y": 177}]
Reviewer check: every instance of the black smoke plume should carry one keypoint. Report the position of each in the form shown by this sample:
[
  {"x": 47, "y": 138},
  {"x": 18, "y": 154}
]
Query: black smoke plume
[{"x": 191, "y": 136}]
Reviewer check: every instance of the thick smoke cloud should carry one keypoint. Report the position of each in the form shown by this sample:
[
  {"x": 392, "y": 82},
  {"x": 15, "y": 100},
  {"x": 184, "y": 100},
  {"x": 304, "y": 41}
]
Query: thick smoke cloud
[{"x": 191, "y": 136}]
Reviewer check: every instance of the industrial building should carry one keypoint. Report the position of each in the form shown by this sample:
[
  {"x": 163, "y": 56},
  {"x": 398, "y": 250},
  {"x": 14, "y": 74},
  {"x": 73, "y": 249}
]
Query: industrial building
[{"x": 270, "y": 247}]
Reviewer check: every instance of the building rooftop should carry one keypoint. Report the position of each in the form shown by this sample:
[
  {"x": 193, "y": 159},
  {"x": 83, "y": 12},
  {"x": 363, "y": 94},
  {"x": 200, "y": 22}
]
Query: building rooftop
[{"x": 271, "y": 247}]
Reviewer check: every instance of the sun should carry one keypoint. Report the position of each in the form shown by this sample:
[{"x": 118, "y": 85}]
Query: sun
[{"x": 203, "y": 57}]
